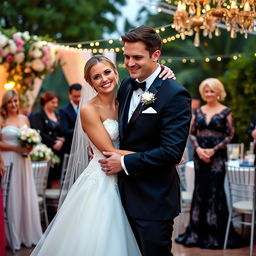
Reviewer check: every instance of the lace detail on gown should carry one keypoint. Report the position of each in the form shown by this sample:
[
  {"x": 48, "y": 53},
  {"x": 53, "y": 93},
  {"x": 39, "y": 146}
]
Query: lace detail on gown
[
  {"x": 91, "y": 220},
  {"x": 209, "y": 212}
]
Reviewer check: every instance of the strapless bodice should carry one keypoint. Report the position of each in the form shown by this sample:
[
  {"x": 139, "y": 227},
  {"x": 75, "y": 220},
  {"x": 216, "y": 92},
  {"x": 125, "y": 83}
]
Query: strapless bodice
[
  {"x": 111, "y": 127},
  {"x": 10, "y": 135}
]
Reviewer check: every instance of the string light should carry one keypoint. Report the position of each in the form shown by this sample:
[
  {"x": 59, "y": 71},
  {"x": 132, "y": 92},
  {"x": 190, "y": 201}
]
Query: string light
[{"x": 193, "y": 60}]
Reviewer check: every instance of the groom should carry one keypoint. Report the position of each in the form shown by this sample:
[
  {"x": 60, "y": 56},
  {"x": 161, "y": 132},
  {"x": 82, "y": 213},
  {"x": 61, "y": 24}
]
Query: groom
[{"x": 157, "y": 130}]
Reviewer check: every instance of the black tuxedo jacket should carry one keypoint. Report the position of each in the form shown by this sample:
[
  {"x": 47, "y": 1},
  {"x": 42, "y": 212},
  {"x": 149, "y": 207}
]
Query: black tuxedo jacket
[
  {"x": 151, "y": 191},
  {"x": 67, "y": 121}
]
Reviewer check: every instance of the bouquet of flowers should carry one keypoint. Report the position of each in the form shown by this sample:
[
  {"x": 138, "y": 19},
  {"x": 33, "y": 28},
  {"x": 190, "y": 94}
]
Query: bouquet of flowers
[
  {"x": 42, "y": 153},
  {"x": 29, "y": 137}
]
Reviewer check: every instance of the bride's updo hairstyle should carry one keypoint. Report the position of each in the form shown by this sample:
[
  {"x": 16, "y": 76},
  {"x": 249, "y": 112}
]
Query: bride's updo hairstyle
[
  {"x": 6, "y": 97},
  {"x": 216, "y": 85},
  {"x": 92, "y": 62}
]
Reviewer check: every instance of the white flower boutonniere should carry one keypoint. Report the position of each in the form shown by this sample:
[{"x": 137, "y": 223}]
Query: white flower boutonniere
[{"x": 148, "y": 98}]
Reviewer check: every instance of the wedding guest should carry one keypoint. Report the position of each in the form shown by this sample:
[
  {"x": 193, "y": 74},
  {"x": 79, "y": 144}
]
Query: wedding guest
[
  {"x": 68, "y": 115},
  {"x": 47, "y": 121},
  {"x": 212, "y": 128},
  {"x": 2, "y": 230},
  {"x": 23, "y": 210},
  {"x": 252, "y": 133}
]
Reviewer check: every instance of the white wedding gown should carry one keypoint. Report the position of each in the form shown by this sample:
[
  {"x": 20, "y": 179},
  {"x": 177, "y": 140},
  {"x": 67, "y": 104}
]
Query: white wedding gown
[{"x": 91, "y": 220}]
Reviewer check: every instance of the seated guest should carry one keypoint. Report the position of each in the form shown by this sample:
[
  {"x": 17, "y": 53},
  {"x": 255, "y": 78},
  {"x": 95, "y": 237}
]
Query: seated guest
[
  {"x": 68, "y": 115},
  {"x": 47, "y": 121}
]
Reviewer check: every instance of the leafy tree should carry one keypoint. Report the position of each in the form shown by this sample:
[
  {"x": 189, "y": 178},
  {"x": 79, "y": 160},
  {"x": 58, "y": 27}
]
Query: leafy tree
[
  {"x": 65, "y": 20},
  {"x": 240, "y": 82}
]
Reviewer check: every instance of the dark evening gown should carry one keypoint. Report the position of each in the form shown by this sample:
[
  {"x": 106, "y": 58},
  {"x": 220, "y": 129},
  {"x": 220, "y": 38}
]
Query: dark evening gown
[{"x": 209, "y": 211}]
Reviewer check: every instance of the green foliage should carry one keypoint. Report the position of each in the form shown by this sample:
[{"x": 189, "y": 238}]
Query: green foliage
[
  {"x": 65, "y": 20},
  {"x": 191, "y": 74},
  {"x": 240, "y": 82}
]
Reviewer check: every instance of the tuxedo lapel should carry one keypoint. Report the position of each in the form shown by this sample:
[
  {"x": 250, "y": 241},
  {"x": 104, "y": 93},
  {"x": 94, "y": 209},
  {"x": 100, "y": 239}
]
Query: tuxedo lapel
[
  {"x": 123, "y": 116},
  {"x": 153, "y": 89}
]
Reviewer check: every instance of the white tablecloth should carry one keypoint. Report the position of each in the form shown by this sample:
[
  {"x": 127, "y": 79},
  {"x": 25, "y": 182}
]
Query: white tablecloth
[{"x": 190, "y": 175}]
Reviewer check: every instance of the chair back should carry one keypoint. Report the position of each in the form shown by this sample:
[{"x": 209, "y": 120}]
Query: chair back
[
  {"x": 41, "y": 172},
  {"x": 235, "y": 151},
  {"x": 64, "y": 169},
  {"x": 241, "y": 182},
  {"x": 5, "y": 183}
]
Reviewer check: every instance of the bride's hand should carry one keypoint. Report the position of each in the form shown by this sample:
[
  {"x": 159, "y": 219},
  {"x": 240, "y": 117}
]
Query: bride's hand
[
  {"x": 90, "y": 152},
  {"x": 167, "y": 73}
]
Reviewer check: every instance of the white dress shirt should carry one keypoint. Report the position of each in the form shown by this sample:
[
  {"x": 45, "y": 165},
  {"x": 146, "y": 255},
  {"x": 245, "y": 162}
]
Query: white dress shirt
[
  {"x": 74, "y": 106},
  {"x": 135, "y": 100}
]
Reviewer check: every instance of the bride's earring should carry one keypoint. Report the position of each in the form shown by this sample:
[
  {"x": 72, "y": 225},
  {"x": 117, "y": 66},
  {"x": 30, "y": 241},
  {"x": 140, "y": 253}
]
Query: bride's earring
[{"x": 218, "y": 97}]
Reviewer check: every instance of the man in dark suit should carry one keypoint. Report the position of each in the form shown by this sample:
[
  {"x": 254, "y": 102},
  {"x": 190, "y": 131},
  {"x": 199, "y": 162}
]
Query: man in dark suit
[
  {"x": 155, "y": 126},
  {"x": 68, "y": 115}
]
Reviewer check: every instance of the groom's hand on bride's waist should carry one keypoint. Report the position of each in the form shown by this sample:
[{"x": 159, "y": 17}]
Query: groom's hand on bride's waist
[{"x": 112, "y": 164}]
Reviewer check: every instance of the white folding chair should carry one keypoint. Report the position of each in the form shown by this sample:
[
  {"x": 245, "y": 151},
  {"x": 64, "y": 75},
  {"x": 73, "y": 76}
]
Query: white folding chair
[
  {"x": 235, "y": 151},
  {"x": 5, "y": 183},
  {"x": 186, "y": 197},
  {"x": 41, "y": 172},
  {"x": 241, "y": 181},
  {"x": 53, "y": 194}
]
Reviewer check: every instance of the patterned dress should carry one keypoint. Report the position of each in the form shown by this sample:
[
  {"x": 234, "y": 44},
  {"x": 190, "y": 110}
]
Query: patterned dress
[{"x": 209, "y": 212}]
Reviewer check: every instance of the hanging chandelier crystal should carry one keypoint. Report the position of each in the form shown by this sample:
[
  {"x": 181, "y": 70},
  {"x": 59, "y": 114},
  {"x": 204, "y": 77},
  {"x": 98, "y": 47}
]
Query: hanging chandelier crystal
[{"x": 191, "y": 16}]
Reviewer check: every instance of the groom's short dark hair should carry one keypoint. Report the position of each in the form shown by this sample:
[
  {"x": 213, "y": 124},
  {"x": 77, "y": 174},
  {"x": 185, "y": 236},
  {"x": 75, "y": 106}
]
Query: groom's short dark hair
[{"x": 145, "y": 34}]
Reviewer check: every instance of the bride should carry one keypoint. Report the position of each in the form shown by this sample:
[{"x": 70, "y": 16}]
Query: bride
[{"x": 91, "y": 220}]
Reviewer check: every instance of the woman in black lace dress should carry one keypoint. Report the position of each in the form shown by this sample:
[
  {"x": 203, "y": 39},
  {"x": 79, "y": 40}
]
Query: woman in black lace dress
[{"x": 212, "y": 128}]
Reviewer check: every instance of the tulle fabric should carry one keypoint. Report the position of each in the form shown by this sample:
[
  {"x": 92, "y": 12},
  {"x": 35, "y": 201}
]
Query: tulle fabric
[
  {"x": 78, "y": 157},
  {"x": 91, "y": 220}
]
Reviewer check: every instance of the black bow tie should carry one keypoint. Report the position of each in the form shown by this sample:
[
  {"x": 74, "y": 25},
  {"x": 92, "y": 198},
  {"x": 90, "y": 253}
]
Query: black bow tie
[{"x": 136, "y": 85}]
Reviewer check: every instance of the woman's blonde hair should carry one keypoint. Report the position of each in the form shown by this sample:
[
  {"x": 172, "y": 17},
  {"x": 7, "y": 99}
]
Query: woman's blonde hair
[
  {"x": 5, "y": 98},
  {"x": 92, "y": 62},
  {"x": 216, "y": 85}
]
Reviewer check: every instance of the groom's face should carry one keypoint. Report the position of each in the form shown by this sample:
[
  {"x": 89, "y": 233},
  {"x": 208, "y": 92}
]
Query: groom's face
[{"x": 138, "y": 60}]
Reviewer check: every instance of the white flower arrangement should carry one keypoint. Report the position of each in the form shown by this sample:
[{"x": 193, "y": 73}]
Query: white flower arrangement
[
  {"x": 148, "y": 98},
  {"x": 29, "y": 137},
  {"x": 42, "y": 153},
  {"x": 25, "y": 58}
]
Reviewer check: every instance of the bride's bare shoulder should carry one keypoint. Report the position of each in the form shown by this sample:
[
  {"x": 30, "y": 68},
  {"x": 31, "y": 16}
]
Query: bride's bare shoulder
[{"x": 89, "y": 111}]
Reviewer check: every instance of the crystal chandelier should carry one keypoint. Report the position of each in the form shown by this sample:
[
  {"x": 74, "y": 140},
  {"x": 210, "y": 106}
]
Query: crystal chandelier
[{"x": 191, "y": 16}]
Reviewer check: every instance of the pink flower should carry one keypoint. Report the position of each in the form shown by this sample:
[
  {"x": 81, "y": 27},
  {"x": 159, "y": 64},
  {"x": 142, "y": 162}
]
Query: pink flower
[
  {"x": 18, "y": 40},
  {"x": 9, "y": 58},
  {"x": 19, "y": 48}
]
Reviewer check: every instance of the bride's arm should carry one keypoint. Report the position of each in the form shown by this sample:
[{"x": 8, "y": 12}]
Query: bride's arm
[{"x": 93, "y": 127}]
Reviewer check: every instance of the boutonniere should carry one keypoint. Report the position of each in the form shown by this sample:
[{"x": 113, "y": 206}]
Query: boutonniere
[{"x": 148, "y": 98}]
